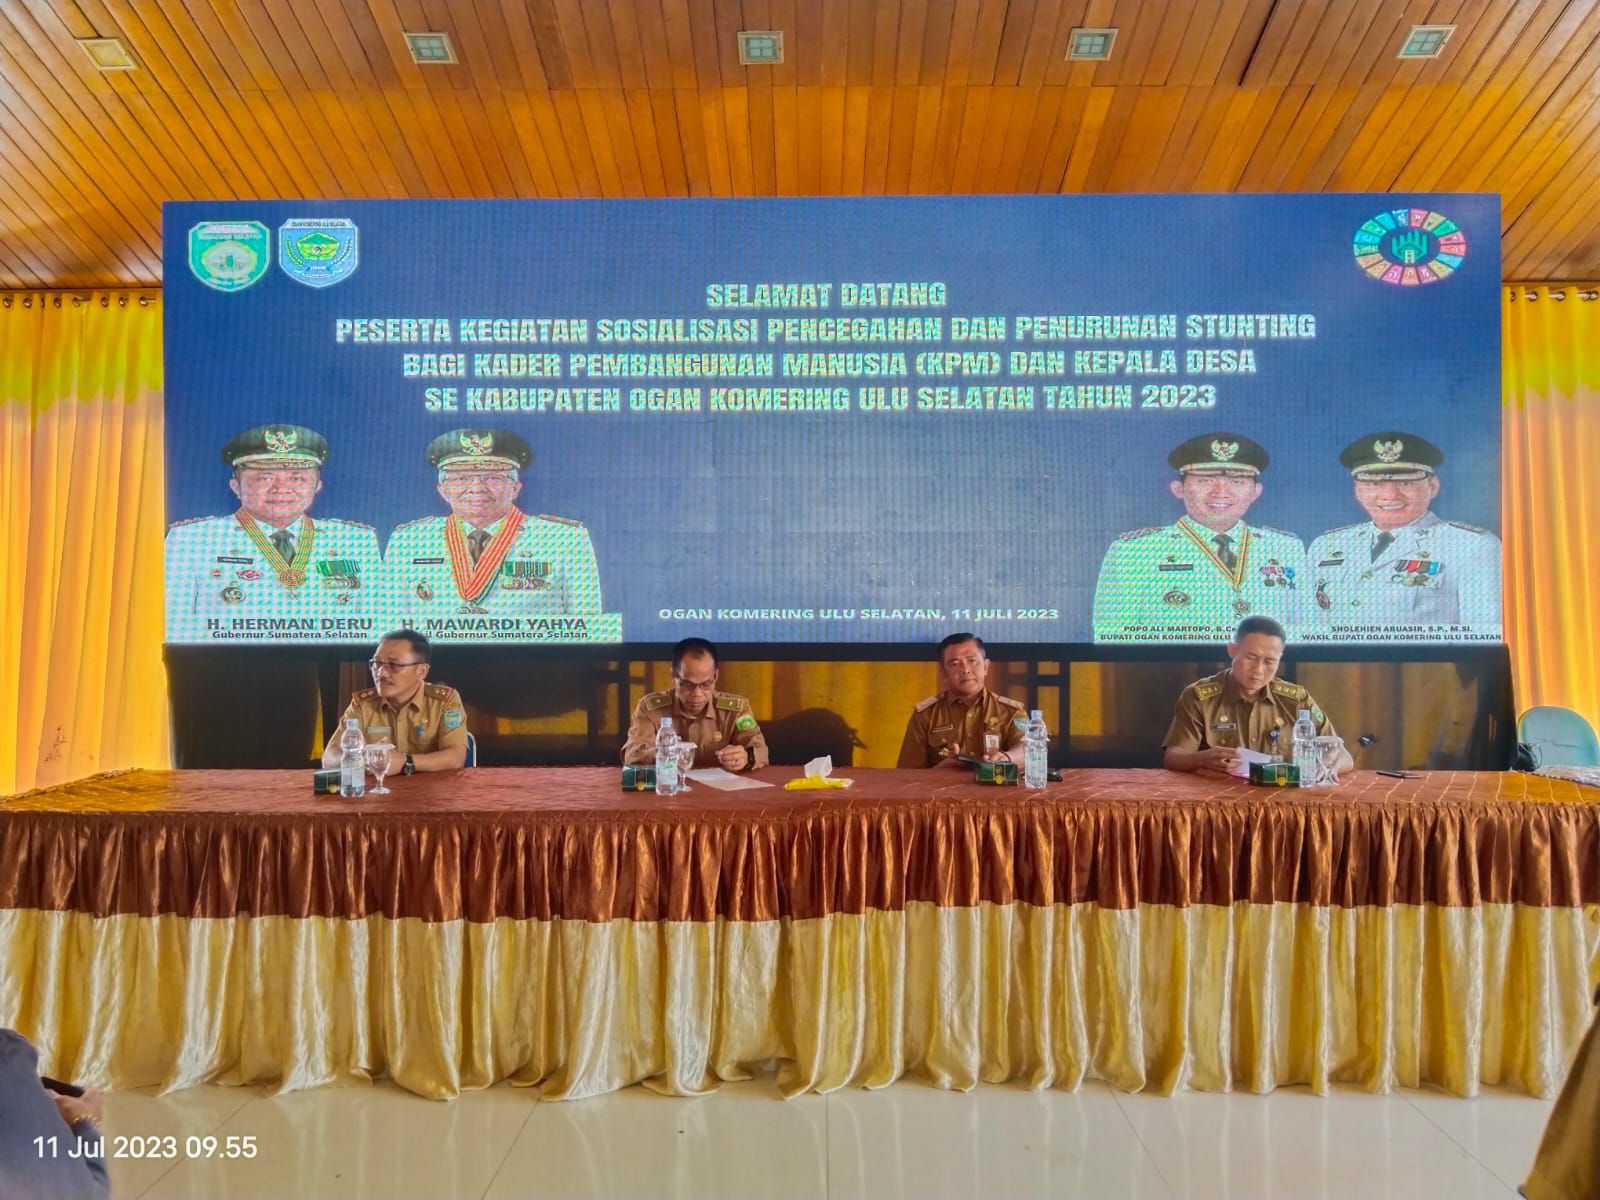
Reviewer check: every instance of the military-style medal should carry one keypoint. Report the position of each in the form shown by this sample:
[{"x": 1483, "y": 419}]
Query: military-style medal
[
  {"x": 474, "y": 579},
  {"x": 424, "y": 592},
  {"x": 232, "y": 594},
  {"x": 1241, "y": 567},
  {"x": 291, "y": 575}
]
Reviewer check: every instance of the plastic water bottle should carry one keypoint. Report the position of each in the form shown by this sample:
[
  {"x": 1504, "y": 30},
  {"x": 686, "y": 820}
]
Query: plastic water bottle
[
  {"x": 353, "y": 764},
  {"x": 1305, "y": 750},
  {"x": 666, "y": 759},
  {"x": 1036, "y": 752}
]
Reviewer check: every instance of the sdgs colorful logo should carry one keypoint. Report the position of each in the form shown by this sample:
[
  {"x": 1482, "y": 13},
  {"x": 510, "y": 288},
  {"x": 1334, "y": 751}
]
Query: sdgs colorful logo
[{"x": 1409, "y": 247}]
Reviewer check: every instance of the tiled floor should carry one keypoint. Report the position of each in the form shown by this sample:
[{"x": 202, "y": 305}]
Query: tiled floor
[{"x": 906, "y": 1141}]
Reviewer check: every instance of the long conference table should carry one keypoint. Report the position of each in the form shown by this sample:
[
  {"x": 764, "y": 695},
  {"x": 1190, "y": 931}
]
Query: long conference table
[{"x": 1158, "y": 931}]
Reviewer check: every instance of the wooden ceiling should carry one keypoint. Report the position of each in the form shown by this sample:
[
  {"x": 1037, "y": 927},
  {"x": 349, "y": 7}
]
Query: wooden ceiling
[{"x": 308, "y": 98}]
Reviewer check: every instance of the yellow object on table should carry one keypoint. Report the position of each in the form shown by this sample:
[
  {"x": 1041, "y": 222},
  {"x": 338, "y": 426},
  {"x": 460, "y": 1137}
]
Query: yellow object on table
[{"x": 812, "y": 782}]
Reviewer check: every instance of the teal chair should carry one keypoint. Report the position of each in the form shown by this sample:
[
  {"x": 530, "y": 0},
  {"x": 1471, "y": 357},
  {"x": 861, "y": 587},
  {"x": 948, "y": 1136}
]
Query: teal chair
[
  {"x": 472, "y": 752},
  {"x": 1559, "y": 737}
]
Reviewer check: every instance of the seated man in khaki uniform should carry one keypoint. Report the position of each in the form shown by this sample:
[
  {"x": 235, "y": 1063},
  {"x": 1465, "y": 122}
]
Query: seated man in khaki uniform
[
  {"x": 720, "y": 724},
  {"x": 1245, "y": 705},
  {"x": 425, "y": 722},
  {"x": 955, "y": 721}
]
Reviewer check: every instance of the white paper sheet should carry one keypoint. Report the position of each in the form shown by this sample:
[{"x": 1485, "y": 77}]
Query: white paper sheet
[
  {"x": 725, "y": 781},
  {"x": 1247, "y": 756}
]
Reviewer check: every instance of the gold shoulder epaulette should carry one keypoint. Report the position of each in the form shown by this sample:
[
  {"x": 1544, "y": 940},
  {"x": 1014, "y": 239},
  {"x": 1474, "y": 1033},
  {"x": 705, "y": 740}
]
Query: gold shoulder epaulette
[
  {"x": 189, "y": 521},
  {"x": 1341, "y": 529},
  {"x": 1007, "y": 700},
  {"x": 364, "y": 694},
  {"x": 343, "y": 523},
  {"x": 440, "y": 691},
  {"x": 658, "y": 700},
  {"x": 1133, "y": 534},
  {"x": 1207, "y": 690},
  {"x": 560, "y": 520},
  {"x": 1278, "y": 532},
  {"x": 928, "y": 703},
  {"x": 1284, "y": 688},
  {"x": 1471, "y": 528},
  {"x": 729, "y": 702},
  {"x": 409, "y": 524}
]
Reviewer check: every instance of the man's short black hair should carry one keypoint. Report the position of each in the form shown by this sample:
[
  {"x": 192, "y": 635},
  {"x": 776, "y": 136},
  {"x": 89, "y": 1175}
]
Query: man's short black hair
[
  {"x": 1259, "y": 624},
  {"x": 692, "y": 646},
  {"x": 417, "y": 642},
  {"x": 957, "y": 639}
]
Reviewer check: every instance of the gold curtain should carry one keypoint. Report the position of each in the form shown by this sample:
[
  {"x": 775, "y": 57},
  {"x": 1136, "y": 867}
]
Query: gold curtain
[
  {"x": 82, "y": 687},
  {"x": 1550, "y": 495}
]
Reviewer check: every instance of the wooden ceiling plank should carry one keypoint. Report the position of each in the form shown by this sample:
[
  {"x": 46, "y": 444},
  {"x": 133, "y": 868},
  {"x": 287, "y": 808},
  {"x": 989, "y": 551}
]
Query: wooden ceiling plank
[
  {"x": 729, "y": 21},
  {"x": 566, "y": 123},
  {"x": 633, "y": 71},
  {"x": 1002, "y": 103},
  {"x": 542, "y": 111},
  {"x": 1577, "y": 126},
  {"x": 830, "y": 140},
  {"x": 279, "y": 16},
  {"x": 860, "y": 53},
  {"x": 525, "y": 129},
  {"x": 736, "y": 135},
  {"x": 640, "y": 116},
  {"x": 153, "y": 33},
  {"x": 692, "y": 141},
  {"x": 651, "y": 30},
  {"x": 198, "y": 24},
  {"x": 223, "y": 23},
  {"x": 37, "y": 28},
  {"x": 1169, "y": 42},
  {"x": 1204, "y": 16},
  {"x": 1241, "y": 130},
  {"x": 615, "y": 180},
  {"x": 1521, "y": 116},
  {"x": 759, "y": 140},
  {"x": 1561, "y": 214},
  {"x": 1063, "y": 135},
  {"x": 897, "y": 177},
  {"x": 1046, "y": 110},
  {"x": 1138, "y": 167},
  {"x": 553, "y": 57},
  {"x": 1090, "y": 14},
  {"x": 1204, "y": 135},
  {"x": 1112, "y": 142},
  {"x": 1096, "y": 107},
  {"x": 1045, "y": 60},
  {"x": 831, "y": 30},
  {"x": 780, "y": 15},
  {"x": 962, "y": 125},
  {"x": 786, "y": 141},
  {"x": 808, "y": 126},
  {"x": 875, "y": 150},
  {"x": 988, "y": 33},
  {"x": 681, "y": 50},
  {"x": 1218, "y": 36},
  {"x": 486, "y": 46},
  {"x": 574, "y": 38},
  {"x": 1261, "y": 166},
  {"x": 713, "y": 123},
  {"x": 963, "y": 32},
  {"x": 1251, "y": 25},
  {"x": 857, "y": 130},
  {"x": 1327, "y": 44},
  {"x": 299, "y": 176},
  {"x": 1014, "y": 144},
  {"x": 469, "y": 115},
  {"x": 1133, "y": 64},
  {"x": 1311, "y": 17},
  {"x": 909, "y": 43},
  {"x": 418, "y": 110},
  {"x": 937, "y": 29},
  {"x": 670, "y": 141},
  {"x": 811, "y": 44},
  {"x": 21, "y": 266},
  {"x": 632, "y": 157},
  {"x": 885, "y": 40},
  {"x": 442, "y": 16}
]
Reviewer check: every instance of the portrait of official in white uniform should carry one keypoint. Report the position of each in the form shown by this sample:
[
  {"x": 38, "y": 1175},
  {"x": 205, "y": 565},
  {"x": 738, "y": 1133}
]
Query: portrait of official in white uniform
[
  {"x": 1405, "y": 573},
  {"x": 270, "y": 558}
]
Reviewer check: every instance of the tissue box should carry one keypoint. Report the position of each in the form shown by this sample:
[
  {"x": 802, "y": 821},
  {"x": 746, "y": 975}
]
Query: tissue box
[
  {"x": 1001, "y": 773},
  {"x": 638, "y": 779},
  {"x": 1274, "y": 775}
]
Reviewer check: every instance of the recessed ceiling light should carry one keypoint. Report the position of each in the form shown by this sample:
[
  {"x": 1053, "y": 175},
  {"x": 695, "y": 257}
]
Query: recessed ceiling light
[
  {"x": 760, "y": 47},
  {"x": 431, "y": 48},
  {"x": 1093, "y": 45},
  {"x": 1426, "y": 41},
  {"x": 107, "y": 53}
]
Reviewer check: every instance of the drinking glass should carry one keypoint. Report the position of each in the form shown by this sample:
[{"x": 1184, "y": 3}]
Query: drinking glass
[
  {"x": 377, "y": 755},
  {"x": 686, "y": 751},
  {"x": 1329, "y": 751}
]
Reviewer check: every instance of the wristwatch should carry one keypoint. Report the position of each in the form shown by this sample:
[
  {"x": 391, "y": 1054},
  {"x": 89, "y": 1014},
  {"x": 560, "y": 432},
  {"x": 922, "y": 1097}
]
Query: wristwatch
[{"x": 411, "y": 766}]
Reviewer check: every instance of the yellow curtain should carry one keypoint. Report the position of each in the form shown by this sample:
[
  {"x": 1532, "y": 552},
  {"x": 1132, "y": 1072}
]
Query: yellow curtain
[
  {"x": 1550, "y": 494},
  {"x": 82, "y": 688}
]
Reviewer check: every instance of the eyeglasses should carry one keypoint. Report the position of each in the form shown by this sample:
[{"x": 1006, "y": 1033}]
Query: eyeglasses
[
  {"x": 379, "y": 665},
  {"x": 683, "y": 685}
]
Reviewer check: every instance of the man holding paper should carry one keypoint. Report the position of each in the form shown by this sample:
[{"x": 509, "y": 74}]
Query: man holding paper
[
  {"x": 1246, "y": 707},
  {"x": 720, "y": 724}
]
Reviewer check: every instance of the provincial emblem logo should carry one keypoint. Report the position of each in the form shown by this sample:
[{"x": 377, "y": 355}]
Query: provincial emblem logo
[
  {"x": 318, "y": 252},
  {"x": 1224, "y": 451},
  {"x": 229, "y": 256},
  {"x": 1389, "y": 451}
]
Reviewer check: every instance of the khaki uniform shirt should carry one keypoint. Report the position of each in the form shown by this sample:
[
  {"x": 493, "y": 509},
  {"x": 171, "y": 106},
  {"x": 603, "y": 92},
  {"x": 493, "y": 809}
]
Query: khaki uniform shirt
[
  {"x": 1213, "y": 712},
  {"x": 942, "y": 726},
  {"x": 726, "y": 721},
  {"x": 433, "y": 719}
]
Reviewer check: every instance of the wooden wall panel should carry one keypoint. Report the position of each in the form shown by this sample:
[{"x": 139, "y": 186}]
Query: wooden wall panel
[{"x": 572, "y": 98}]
